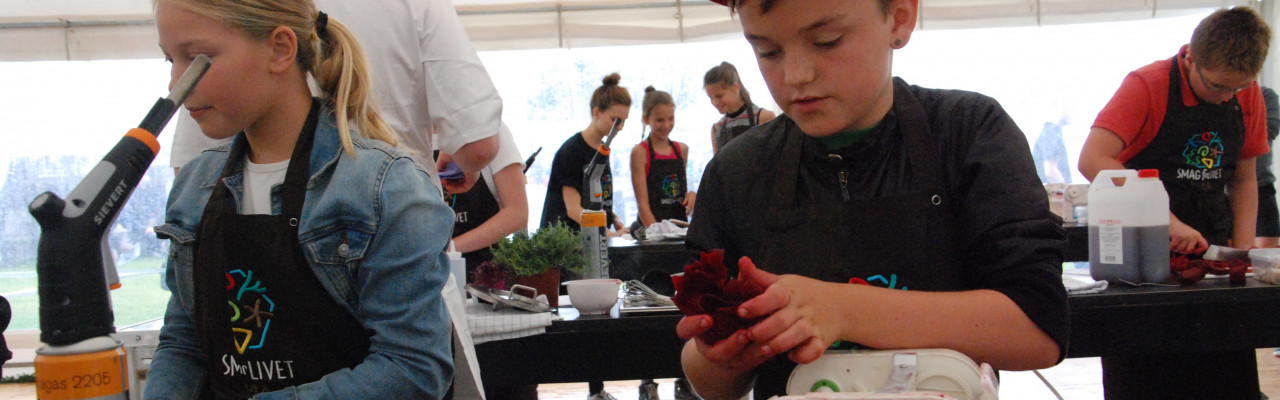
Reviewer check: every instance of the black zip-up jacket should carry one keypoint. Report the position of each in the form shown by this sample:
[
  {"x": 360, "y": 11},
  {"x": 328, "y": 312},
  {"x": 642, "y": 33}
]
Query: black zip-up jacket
[{"x": 1004, "y": 233}]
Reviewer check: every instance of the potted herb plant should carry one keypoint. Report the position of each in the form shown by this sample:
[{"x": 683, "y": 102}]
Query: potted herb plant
[{"x": 538, "y": 259}]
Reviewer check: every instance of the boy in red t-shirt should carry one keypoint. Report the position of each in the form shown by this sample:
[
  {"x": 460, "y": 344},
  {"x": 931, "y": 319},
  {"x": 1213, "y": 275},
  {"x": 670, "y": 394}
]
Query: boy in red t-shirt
[{"x": 1199, "y": 118}]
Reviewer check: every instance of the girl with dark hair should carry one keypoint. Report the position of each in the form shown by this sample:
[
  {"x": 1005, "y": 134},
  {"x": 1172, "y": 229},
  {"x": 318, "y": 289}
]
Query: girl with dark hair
[
  {"x": 724, "y": 87},
  {"x": 564, "y": 188}
]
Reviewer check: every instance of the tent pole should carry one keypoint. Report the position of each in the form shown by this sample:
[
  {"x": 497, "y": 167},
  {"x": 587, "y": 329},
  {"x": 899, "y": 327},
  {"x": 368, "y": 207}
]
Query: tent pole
[{"x": 680, "y": 18}]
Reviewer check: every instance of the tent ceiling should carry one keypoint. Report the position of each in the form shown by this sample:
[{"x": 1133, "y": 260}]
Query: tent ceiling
[{"x": 33, "y": 30}]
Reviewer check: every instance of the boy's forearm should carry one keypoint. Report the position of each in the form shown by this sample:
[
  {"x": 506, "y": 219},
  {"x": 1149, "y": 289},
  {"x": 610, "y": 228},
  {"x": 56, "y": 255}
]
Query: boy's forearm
[
  {"x": 984, "y": 324},
  {"x": 1244, "y": 214},
  {"x": 710, "y": 381}
]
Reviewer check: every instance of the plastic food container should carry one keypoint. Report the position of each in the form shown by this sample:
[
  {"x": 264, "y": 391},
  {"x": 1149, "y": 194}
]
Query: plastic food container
[{"x": 1266, "y": 265}]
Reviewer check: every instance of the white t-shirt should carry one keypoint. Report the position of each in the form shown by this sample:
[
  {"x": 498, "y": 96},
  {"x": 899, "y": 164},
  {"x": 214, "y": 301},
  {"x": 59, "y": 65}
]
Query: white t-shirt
[
  {"x": 258, "y": 181},
  {"x": 508, "y": 154},
  {"x": 424, "y": 72}
]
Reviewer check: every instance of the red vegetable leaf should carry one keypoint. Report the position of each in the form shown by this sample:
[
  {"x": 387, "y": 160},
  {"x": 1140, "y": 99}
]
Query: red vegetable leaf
[
  {"x": 706, "y": 290},
  {"x": 1191, "y": 275},
  {"x": 1179, "y": 264}
]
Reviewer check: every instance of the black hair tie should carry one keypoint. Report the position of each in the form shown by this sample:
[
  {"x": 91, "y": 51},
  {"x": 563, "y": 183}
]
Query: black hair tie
[{"x": 322, "y": 26}]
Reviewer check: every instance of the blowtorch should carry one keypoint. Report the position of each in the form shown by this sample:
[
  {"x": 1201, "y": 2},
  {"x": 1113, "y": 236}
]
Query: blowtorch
[
  {"x": 80, "y": 360},
  {"x": 594, "y": 219}
]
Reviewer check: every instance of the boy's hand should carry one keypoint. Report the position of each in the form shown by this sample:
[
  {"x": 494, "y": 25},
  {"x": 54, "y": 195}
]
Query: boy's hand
[
  {"x": 736, "y": 352},
  {"x": 802, "y": 314},
  {"x": 1185, "y": 239}
]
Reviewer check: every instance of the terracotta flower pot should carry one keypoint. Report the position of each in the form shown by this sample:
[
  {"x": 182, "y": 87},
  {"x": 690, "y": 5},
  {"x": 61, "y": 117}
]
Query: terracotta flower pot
[{"x": 547, "y": 283}]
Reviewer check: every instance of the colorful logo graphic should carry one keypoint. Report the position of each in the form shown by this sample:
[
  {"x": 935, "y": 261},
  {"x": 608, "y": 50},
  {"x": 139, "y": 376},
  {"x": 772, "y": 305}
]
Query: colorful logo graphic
[
  {"x": 1204, "y": 151},
  {"x": 879, "y": 281},
  {"x": 251, "y": 310},
  {"x": 671, "y": 185},
  {"x": 606, "y": 185}
]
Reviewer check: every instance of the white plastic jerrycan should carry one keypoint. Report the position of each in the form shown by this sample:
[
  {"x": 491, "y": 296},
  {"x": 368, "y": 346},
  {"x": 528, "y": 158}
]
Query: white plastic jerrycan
[{"x": 1128, "y": 227}]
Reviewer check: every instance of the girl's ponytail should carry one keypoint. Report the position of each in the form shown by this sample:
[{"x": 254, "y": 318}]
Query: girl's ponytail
[
  {"x": 342, "y": 75},
  {"x": 326, "y": 49}
]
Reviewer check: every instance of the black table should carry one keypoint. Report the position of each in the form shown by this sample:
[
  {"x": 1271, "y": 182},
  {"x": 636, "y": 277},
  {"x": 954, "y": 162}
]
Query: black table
[
  {"x": 586, "y": 349},
  {"x": 1210, "y": 316}
]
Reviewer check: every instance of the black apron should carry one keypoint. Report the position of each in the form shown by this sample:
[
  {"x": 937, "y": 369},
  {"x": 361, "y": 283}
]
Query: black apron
[
  {"x": 728, "y": 133},
  {"x": 1187, "y": 150},
  {"x": 1196, "y": 150},
  {"x": 264, "y": 320},
  {"x": 900, "y": 241},
  {"x": 666, "y": 184},
  {"x": 471, "y": 209}
]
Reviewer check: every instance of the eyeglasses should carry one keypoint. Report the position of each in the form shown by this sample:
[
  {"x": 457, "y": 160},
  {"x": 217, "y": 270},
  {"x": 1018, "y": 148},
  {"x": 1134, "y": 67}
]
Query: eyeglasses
[{"x": 1217, "y": 88}]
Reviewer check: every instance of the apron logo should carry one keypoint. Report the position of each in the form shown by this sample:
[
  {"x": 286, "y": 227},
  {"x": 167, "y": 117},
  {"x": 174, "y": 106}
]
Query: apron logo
[
  {"x": 890, "y": 283},
  {"x": 671, "y": 185},
  {"x": 1204, "y": 151},
  {"x": 251, "y": 320}
]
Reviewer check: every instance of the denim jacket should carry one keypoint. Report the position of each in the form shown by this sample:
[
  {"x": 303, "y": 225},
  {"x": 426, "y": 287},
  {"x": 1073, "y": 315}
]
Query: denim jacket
[{"x": 373, "y": 228}]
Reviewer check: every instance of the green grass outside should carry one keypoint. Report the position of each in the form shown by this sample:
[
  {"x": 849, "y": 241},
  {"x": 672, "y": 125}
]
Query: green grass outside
[
  {"x": 139, "y": 298},
  {"x": 13, "y": 284}
]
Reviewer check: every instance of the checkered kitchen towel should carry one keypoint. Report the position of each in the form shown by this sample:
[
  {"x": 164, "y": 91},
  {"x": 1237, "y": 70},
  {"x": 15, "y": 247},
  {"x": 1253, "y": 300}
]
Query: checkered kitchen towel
[{"x": 489, "y": 325}]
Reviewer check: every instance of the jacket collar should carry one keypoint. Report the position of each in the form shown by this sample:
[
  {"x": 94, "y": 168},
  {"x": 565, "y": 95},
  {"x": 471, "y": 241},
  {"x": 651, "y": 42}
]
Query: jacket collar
[{"x": 325, "y": 150}]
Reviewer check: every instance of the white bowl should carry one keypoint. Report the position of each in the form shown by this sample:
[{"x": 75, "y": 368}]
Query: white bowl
[{"x": 593, "y": 296}]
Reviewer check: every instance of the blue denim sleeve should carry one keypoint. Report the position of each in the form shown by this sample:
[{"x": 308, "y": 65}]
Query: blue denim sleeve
[
  {"x": 399, "y": 282},
  {"x": 177, "y": 371}
]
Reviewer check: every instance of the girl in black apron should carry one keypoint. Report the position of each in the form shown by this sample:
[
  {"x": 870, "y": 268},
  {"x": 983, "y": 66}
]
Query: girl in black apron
[
  {"x": 724, "y": 87},
  {"x": 246, "y": 265},
  {"x": 295, "y": 284},
  {"x": 662, "y": 189},
  {"x": 661, "y": 186}
]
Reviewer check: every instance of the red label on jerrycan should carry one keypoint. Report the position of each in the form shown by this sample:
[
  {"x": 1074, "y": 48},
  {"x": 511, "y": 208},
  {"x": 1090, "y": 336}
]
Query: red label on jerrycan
[{"x": 1128, "y": 227}]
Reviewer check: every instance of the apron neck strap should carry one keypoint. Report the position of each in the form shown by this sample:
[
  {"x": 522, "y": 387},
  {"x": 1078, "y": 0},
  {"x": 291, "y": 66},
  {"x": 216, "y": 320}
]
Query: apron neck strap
[
  {"x": 653, "y": 154},
  {"x": 921, "y": 150},
  {"x": 1175, "y": 83},
  {"x": 295, "y": 179}
]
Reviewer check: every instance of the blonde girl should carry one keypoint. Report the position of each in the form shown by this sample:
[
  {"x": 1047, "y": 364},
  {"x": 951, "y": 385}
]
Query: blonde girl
[{"x": 307, "y": 254}]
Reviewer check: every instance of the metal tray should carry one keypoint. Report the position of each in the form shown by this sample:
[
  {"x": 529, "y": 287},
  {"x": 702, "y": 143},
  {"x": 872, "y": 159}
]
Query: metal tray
[
  {"x": 640, "y": 304},
  {"x": 503, "y": 298},
  {"x": 624, "y": 309}
]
